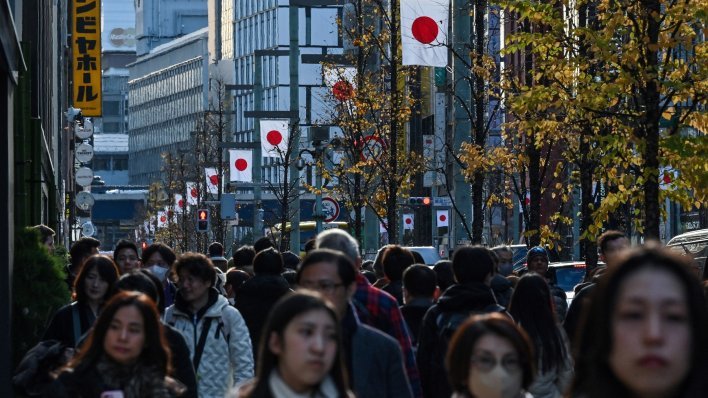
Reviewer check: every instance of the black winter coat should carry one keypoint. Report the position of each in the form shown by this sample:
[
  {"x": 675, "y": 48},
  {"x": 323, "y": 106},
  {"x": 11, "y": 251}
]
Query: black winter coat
[
  {"x": 61, "y": 327},
  {"x": 255, "y": 298}
]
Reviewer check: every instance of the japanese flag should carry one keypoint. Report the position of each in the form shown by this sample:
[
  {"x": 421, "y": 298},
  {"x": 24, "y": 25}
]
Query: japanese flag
[
  {"x": 424, "y": 32},
  {"x": 274, "y": 136},
  {"x": 341, "y": 82},
  {"x": 408, "y": 221},
  {"x": 240, "y": 165},
  {"x": 212, "y": 180},
  {"x": 192, "y": 193},
  {"x": 443, "y": 218},
  {"x": 179, "y": 203},
  {"x": 161, "y": 219}
]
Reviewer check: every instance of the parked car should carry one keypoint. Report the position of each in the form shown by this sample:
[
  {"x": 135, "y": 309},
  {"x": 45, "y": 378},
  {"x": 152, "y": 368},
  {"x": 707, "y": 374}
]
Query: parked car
[
  {"x": 694, "y": 244},
  {"x": 429, "y": 253},
  {"x": 566, "y": 275}
]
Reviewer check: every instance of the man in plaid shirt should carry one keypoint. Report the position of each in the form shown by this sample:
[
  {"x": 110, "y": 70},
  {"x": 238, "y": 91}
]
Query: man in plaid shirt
[{"x": 374, "y": 307}]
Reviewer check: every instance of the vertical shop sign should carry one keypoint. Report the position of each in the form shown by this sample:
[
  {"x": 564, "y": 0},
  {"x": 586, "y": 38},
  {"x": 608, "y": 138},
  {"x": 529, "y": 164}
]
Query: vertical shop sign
[{"x": 86, "y": 56}]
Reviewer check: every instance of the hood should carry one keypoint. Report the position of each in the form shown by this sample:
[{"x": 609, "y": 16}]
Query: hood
[
  {"x": 213, "y": 306},
  {"x": 265, "y": 286},
  {"x": 467, "y": 297}
]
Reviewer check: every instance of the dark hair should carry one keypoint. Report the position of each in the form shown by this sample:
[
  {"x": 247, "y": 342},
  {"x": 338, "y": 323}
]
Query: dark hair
[
  {"x": 244, "y": 256},
  {"x": 378, "y": 261},
  {"x": 310, "y": 245},
  {"x": 197, "y": 265},
  {"x": 124, "y": 244},
  {"x": 136, "y": 281},
  {"x": 595, "y": 339},
  {"x": 465, "y": 338},
  {"x": 419, "y": 280},
  {"x": 418, "y": 257},
  {"x": 158, "y": 285},
  {"x": 443, "y": 274},
  {"x": 268, "y": 262},
  {"x": 216, "y": 249},
  {"x": 283, "y": 312},
  {"x": 395, "y": 260},
  {"x": 44, "y": 232},
  {"x": 165, "y": 251},
  {"x": 263, "y": 243},
  {"x": 155, "y": 349},
  {"x": 607, "y": 237},
  {"x": 236, "y": 277},
  {"x": 345, "y": 268},
  {"x": 531, "y": 307},
  {"x": 290, "y": 276},
  {"x": 472, "y": 264},
  {"x": 290, "y": 260},
  {"x": 107, "y": 270},
  {"x": 368, "y": 265},
  {"x": 370, "y": 276},
  {"x": 81, "y": 249}
]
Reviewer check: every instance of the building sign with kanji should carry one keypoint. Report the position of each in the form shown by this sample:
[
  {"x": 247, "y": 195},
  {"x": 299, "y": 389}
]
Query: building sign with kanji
[{"x": 86, "y": 56}]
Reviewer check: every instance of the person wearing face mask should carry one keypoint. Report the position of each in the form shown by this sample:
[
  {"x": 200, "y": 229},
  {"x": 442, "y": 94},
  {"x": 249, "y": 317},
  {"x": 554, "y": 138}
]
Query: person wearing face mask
[
  {"x": 490, "y": 357},
  {"x": 502, "y": 287},
  {"x": 158, "y": 259}
]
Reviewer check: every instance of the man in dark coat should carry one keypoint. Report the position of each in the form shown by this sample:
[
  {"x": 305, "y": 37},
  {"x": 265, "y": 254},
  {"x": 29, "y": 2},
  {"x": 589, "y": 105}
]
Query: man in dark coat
[
  {"x": 473, "y": 268},
  {"x": 255, "y": 297}
]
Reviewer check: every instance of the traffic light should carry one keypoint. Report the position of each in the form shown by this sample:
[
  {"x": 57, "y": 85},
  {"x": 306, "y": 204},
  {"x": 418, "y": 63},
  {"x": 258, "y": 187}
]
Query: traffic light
[
  {"x": 203, "y": 220},
  {"x": 419, "y": 201}
]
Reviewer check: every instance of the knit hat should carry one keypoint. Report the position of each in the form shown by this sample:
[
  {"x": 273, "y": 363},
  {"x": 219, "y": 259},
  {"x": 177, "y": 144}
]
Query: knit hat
[{"x": 536, "y": 251}]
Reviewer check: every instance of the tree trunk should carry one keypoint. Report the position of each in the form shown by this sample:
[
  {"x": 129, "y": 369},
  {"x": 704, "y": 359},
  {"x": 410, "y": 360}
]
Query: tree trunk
[
  {"x": 480, "y": 136},
  {"x": 392, "y": 194}
]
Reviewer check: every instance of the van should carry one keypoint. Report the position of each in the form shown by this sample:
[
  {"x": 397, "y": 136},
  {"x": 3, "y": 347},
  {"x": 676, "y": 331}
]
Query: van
[
  {"x": 694, "y": 244},
  {"x": 429, "y": 253}
]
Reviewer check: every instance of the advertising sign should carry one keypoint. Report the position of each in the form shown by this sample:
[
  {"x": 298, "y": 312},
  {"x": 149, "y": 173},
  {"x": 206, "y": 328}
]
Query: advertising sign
[{"x": 86, "y": 56}]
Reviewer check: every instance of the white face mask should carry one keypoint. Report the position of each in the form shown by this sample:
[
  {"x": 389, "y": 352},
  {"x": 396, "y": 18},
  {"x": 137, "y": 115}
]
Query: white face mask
[
  {"x": 497, "y": 383},
  {"x": 159, "y": 272}
]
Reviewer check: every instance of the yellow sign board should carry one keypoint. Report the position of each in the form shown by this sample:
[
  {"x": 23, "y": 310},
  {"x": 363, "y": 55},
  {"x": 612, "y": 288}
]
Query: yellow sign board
[{"x": 86, "y": 56}]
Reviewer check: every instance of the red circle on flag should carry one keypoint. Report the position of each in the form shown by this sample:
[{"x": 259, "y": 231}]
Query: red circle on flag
[
  {"x": 424, "y": 29},
  {"x": 163, "y": 219},
  {"x": 274, "y": 137},
  {"x": 214, "y": 180},
  {"x": 667, "y": 178},
  {"x": 342, "y": 90},
  {"x": 170, "y": 213},
  {"x": 180, "y": 203},
  {"x": 408, "y": 221},
  {"x": 193, "y": 192},
  {"x": 443, "y": 218},
  {"x": 241, "y": 164}
]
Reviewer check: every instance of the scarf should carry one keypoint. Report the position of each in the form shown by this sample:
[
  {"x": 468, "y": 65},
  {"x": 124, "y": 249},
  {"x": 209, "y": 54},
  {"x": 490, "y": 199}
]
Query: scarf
[
  {"x": 136, "y": 381},
  {"x": 277, "y": 385}
]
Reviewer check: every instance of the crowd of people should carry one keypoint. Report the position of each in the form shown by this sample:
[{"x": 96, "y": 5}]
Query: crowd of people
[{"x": 270, "y": 324}]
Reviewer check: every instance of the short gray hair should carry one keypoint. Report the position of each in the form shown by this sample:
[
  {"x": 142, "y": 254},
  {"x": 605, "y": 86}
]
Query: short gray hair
[{"x": 340, "y": 240}]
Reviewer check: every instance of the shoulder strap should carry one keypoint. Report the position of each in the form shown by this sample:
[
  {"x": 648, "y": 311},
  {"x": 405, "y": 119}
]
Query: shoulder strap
[
  {"x": 76, "y": 321},
  {"x": 200, "y": 346},
  {"x": 170, "y": 317},
  {"x": 224, "y": 325}
]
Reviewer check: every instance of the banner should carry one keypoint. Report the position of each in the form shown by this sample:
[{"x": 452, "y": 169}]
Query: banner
[
  {"x": 240, "y": 165},
  {"x": 274, "y": 137},
  {"x": 86, "y": 56},
  {"x": 424, "y": 32}
]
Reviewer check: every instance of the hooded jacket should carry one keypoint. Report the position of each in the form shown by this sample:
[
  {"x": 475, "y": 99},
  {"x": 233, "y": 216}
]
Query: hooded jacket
[
  {"x": 227, "y": 358},
  {"x": 468, "y": 299}
]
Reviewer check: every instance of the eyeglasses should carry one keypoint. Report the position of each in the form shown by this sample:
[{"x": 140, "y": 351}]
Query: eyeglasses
[
  {"x": 321, "y": 286},
  {"x": 486, "y": 363}
]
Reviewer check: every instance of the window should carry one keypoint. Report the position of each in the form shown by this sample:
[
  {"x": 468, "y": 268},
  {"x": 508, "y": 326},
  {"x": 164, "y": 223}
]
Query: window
[{"x": 111, "y": 108}]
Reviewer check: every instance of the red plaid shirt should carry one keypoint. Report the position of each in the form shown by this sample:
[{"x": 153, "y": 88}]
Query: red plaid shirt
[{"x": 379, "y": 309}]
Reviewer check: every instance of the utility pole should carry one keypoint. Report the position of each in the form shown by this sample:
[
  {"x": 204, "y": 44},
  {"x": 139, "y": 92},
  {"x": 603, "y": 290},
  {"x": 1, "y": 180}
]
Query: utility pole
[{"x": 294, "y": 121}]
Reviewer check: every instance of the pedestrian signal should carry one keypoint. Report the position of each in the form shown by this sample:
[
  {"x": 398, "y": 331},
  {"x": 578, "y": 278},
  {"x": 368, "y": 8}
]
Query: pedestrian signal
[
  {"x": 419, "y": 201},
  {"x": 203, "y": 220}
]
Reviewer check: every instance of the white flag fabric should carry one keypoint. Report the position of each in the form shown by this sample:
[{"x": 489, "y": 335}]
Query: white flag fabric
[
  {"x": 179, "y": 203},
  {"x": 274, "y": 136},
  {"x": 192, "y": 193},
  {"x": 341, "y": 81},
  {"x": 240, "y": 165},
  {"x": 382, "y": 227},
  {"x": 408, "y": 221},
  {"x": 212, "y": 180},
  {"x": 161, "y": 219},
  {"x": 424, "y": 32},
  {"x": 443, "y": 218}
]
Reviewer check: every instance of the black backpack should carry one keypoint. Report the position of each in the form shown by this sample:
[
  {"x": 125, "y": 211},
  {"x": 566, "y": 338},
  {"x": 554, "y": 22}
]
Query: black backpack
[{"x": 35, "y": 373}]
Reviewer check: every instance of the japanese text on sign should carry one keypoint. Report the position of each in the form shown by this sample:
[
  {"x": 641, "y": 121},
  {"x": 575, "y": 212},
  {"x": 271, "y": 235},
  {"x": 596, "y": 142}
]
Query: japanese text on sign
[{"x": 86, "y": 54}]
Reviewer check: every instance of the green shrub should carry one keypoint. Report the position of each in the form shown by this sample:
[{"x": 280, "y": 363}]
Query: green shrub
[{"x": 38, "y": 290}]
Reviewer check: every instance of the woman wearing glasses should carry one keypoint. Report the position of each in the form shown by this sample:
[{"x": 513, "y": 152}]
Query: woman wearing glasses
[{"x": 490, "y": 357}]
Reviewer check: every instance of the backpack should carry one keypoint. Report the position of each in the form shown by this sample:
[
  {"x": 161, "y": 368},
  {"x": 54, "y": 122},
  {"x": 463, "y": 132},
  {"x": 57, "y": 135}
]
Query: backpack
[{"x": 223, "y": 327}]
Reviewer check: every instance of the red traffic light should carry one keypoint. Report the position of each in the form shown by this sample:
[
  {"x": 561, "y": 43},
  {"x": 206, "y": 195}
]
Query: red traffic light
[
  {"x": 202, "y": 214},
  {"x": 426, "y": 201}
]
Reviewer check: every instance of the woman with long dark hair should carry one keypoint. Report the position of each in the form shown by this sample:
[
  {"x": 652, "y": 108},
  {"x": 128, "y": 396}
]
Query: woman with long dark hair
[
  {"x": 532, "y": 308},
  {"x": 648, "y": 332},
  {"x": 125, "y": 355},
  {"x": 92, "y": 287},
  {"x": 300, "y": 351}
]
